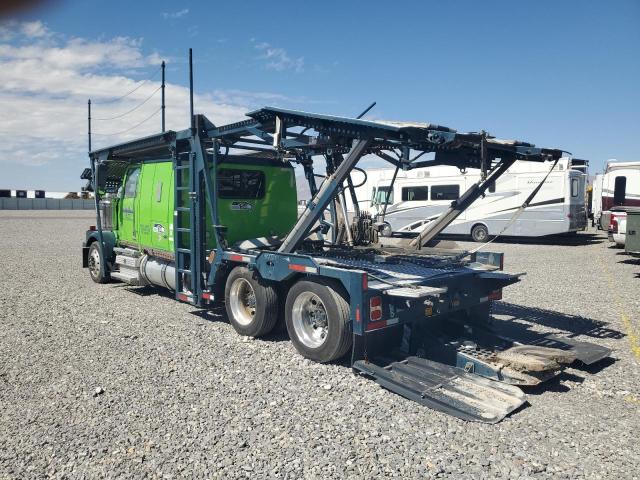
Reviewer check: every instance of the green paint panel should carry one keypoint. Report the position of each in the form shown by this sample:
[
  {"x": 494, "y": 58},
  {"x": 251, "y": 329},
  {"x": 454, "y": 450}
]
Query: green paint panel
[{"x": 254, "y": 201}]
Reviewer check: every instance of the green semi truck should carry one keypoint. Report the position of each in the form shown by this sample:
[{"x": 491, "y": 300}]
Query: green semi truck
[
  {"x": 210, "y": 212},
  {"x": 255, "y": 198}
]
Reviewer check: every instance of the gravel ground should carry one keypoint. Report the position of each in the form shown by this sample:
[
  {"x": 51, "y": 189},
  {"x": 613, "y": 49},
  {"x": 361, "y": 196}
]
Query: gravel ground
[{"x": 112, "y": 381}]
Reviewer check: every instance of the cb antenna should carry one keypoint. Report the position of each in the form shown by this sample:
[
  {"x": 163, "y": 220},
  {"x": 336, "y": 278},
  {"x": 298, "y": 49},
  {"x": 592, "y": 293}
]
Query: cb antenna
[{"x": 193, "y": 122}]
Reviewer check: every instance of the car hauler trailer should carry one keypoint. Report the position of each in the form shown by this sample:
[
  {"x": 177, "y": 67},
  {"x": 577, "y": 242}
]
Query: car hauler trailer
[{"x": 210, "y": 212}]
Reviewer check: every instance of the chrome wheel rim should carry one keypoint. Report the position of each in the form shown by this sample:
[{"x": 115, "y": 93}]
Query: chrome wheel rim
[
  {"x": 242, "y": 300},
  {"x": 94, "y": 263},
  {"x": 310, "y": 320}
]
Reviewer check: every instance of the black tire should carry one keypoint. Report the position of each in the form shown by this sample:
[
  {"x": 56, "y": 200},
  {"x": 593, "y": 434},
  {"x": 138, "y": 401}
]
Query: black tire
[
  {"x": 479, "y": 233},
  {"x": 386, "y": 230},
  {"x": 94, "y": 260},
  {"x": 253, "y": 311},
  {"x": 337, "y": 338},
  {"x": 281, "y": 324}
]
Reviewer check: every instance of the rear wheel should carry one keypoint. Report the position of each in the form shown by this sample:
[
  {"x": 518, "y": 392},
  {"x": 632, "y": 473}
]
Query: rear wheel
[
  {"x": 317, "y": 318},
  {"x": 94, "y": 262},
  {"x": 479, "y": 233},
  {"x": 251, "y": 303}
]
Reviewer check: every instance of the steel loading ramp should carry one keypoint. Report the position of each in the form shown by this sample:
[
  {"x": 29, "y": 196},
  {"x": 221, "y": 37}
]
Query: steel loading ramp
[
  {"x": 444, "y": 388},
  {"x": 505, "y": 351}
]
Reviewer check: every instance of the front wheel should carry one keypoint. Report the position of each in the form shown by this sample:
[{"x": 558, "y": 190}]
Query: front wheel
[
  {"x": 94, "y": 262},
  {"x": 251, "y": 303},
  {"x": 317, "y": 315},
  {"x": 479, "y": 233}
]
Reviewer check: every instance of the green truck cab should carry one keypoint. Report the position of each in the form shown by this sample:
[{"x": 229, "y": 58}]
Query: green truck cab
[{"x": 255, "y": 199}]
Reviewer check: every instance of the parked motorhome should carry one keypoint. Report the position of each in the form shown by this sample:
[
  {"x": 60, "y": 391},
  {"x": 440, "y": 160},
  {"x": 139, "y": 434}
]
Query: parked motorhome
[
  {"x": 620, "y": 187},
  {"x": 596, "y": 200},
  {"x": 419, "y": 196}
]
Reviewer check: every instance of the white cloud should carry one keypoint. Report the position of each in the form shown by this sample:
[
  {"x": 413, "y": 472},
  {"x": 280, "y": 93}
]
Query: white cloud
[
  {"x": 44, "y": 87},
  {"x": 12, "y": 28},
  {"x": 178, "y": 14},
  {"x": 80, "y": 54},
  {"x": 278, "y": 58},
  {"x": 35, "y": 29}
]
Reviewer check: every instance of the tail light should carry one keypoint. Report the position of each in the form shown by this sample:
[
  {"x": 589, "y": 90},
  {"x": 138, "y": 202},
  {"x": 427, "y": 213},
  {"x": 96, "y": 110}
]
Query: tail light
[
  {"x": 496, "y": 295},
  {"x": 375, "y": 308},
  {"x": 613, "y": 225},
  {"x": 569, "y": 215},
  {"x": 92, "y": 228}
]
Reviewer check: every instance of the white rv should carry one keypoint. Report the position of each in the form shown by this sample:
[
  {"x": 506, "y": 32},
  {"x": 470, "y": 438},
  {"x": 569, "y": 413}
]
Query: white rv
[
  {"x": 596, "y": 200},
  {"x": 420, "y": 195},
  {"x": 619, "y": 186}
]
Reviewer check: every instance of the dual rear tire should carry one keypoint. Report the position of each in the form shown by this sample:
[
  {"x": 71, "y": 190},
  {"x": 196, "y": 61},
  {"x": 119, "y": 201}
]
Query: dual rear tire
[
  {"x": 251, "y": 303},
  {"x": 316, "y": 313},
  {"x": 317, "y": 316}
]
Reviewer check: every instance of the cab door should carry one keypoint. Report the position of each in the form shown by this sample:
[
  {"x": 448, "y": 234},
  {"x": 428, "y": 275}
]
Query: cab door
[
  {"x": 128, "y": 222},
  {"x": 160, "y": 201}
]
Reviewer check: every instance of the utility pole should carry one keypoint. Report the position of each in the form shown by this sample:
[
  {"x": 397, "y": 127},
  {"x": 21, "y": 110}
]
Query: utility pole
[
  {"x": 89, "y": 122},
  {"x": 162, "y": 106}
]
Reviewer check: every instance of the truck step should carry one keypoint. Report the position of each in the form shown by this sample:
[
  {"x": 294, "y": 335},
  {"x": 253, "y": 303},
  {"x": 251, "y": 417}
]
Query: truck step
[
  {"x": 129, "y": 276},
  {"x": 128, "y": 261},
  {"x": 128, "y": 252},
  {"x": 445, "y": 388}
]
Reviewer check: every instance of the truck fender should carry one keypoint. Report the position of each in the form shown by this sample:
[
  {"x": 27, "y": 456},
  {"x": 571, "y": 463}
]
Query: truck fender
[{"x": 109, "y": 242}]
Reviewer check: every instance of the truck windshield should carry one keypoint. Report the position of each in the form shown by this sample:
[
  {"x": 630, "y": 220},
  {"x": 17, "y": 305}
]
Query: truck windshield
[{"x": 131, "y": 185}]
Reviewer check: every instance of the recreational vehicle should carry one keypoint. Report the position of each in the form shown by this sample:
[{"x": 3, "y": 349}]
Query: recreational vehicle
[
  {"x": 620, "y": 187},
  {"x": 596, "y": 200},
  {"x": 420, "y": 195}
]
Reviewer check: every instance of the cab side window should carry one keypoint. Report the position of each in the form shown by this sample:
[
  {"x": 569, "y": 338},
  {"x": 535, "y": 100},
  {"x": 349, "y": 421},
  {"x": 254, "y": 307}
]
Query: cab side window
[
  {"x": 131, "y": 184},
  {"x": 574, "y": 187},
  {"x": 619, "y": 190},
  {"x": 445, "y": 192},
  {"x": 415, "y": 194},
  {"x": 241, "y": 184}
]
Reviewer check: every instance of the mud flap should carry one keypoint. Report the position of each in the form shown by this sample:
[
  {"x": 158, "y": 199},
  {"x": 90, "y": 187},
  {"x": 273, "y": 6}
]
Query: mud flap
[{"x": 445, "y": 388}]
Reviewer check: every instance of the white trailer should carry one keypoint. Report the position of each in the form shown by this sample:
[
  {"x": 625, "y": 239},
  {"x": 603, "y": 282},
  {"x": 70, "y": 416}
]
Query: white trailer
[
  {"x": 621, "y": 185},
  {"x": 420, "y": 195},
  {"x": 596, "y": 200}
]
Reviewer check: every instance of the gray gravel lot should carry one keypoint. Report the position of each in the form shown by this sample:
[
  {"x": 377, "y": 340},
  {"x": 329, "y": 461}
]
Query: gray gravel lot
[{"x": 104, "y": 381}]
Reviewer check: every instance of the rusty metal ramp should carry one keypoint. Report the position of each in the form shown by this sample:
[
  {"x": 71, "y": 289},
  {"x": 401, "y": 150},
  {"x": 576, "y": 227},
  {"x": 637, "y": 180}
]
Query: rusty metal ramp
[{"x": 445, "y": 388}]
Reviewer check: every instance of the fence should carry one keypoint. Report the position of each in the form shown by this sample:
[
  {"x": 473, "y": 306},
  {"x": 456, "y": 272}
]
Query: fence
[{"x": 46, "y": 204}]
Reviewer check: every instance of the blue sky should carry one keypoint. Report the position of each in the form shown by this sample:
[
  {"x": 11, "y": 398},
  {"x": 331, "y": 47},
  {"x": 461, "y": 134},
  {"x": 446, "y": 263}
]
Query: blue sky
[{"x": 559, "y": 74}]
